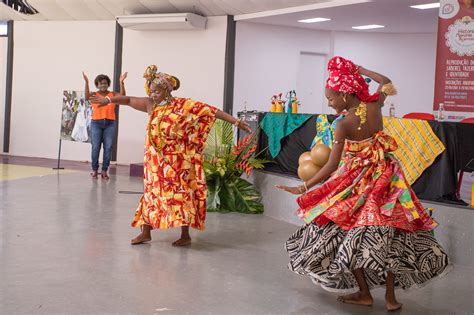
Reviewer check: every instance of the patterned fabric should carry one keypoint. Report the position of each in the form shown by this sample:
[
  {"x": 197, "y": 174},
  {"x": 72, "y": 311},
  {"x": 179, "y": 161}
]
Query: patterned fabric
[
  {"x": 369, "y": 188},
  {"x": 174, "y": 182},
  {"x": 159, "y": 78},
  {"x": 328, "y": 254},
  {"x": 344, "y": 77},
  {"x": 279, "y": 125},
  {"x": 325, "y": 130},
  {"x": 418, "y": 146},
  {"x": 366, "y": 216}
]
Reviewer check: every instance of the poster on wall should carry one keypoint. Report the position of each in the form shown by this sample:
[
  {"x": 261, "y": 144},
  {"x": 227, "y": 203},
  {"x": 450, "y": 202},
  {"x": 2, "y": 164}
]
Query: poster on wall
[
  {"x": 76, "y": 115},
  {"x": 454, "y": 79}
]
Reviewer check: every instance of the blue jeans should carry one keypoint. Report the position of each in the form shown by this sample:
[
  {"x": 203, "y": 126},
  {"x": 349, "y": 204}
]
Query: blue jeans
[{"x": 102, "y": 131}]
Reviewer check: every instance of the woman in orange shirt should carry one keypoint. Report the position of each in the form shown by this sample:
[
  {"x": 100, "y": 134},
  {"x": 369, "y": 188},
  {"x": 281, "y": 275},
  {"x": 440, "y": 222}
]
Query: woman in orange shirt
[{"x": 103, "y": 122}]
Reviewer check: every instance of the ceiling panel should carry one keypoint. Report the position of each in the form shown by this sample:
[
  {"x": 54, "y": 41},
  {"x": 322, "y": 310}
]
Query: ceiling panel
[
  {"x": 99, "y": 10},
  {"x": 396, "y": 15},
  {"x": 50, "y": 9}
]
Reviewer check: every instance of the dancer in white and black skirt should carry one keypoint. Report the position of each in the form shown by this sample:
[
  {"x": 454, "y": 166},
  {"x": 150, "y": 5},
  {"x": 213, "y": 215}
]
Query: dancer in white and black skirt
[{"x": 365, "y": 226}]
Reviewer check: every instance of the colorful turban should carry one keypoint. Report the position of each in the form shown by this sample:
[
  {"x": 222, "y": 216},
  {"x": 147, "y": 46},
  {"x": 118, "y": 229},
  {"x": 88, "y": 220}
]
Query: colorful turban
[
  {"x": 160, "y": 78},
  {"x": 344, "y": 77}
]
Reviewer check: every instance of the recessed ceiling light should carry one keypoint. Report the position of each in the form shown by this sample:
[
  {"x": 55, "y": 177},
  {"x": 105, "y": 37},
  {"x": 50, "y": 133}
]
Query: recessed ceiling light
[
  {"x": 314, "y": 20},
  {"x": 426, "y": 6},
  {"x": 367, "y": 27}
]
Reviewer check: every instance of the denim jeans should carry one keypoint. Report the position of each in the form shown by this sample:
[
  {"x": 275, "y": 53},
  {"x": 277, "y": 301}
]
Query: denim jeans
[{"x": 103, "y": 131}]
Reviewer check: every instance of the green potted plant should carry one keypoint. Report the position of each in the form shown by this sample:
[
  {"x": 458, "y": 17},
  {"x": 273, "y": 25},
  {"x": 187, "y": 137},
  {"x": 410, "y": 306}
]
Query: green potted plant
[{"x": 224, "y": 164}]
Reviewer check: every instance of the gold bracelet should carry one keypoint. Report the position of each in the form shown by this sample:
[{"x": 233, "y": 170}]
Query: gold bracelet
[
  {"x": 305, "y": 187},
  {"x": 237, "y": 122}
]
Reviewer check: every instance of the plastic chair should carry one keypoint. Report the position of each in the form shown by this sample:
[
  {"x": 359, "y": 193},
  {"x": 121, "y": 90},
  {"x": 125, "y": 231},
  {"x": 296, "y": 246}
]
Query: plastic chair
[
  {"x": 468, "y": 120},
  {"x": 421, "y": 116}
]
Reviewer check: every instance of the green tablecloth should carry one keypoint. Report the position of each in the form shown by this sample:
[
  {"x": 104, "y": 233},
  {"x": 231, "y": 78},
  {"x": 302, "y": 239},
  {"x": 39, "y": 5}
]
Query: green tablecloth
[{"x": 279, "y": 125}]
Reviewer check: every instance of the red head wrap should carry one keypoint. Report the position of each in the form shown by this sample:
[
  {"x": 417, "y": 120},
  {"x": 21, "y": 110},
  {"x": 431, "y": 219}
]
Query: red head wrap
[{"x": 344, "y": 77}]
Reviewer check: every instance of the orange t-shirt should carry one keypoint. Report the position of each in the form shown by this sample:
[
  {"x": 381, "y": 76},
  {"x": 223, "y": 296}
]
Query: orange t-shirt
[{"x": 104, "y": 112}]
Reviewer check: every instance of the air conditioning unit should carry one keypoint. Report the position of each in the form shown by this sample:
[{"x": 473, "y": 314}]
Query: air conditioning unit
[{"x": 153, "y": 22}]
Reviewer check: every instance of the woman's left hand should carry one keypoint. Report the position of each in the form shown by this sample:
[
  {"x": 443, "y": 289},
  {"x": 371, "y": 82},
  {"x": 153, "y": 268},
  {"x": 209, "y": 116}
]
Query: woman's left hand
[
  {"x": 245, "y": 126},
  {"x": 123, "y": 77},
  {"x": 97, "y": 99},
  {"x": 292, "y": 190}
]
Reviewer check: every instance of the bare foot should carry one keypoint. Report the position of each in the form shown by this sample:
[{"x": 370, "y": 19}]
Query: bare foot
[
  {"x": 182, "y": 242},
  {"x": 141, "y": 238},
  {"x": 357, "y": 298},
  {"x": 104, "y": 175},
  {"x": 392, "y": 304},
  {"x": 94, "y": 175}
]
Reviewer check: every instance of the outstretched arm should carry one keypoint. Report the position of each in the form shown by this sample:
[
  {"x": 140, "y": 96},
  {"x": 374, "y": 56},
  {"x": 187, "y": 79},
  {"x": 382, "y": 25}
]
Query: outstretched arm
[
  {"x": 142, "y": 104},
  {"x": 329, "y": 168},
  {"x": 242, "y": 124}
]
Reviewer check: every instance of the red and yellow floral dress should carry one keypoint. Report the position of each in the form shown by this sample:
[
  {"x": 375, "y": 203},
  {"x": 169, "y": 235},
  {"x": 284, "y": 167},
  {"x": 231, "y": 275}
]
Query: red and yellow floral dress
[
  {"x": 174, "y": 183},
  {"x": 366, "y": 216}
]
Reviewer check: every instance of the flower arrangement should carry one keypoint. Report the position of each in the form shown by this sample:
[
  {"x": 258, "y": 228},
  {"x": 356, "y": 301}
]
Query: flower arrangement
[{"x": 224, "y": 163}]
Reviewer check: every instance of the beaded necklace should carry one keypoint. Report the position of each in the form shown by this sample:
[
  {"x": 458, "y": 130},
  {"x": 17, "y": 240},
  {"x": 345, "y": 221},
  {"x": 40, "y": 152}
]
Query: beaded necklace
[{"x": 162, "y": 113}]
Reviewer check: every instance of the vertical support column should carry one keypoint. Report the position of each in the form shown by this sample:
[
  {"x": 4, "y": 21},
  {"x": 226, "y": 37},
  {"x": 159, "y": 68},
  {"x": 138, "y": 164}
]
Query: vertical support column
[
  {"x": 229, "y": 66},
  {"x": 8, "y": 89},
  {"x": 116, "y": 80}
]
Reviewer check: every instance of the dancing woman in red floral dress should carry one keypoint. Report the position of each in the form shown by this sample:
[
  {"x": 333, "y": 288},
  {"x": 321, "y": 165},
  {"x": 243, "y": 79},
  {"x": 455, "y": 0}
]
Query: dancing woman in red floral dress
[
  {"x": 365, "y": 226},
  {"x": 174, "y": 183}
]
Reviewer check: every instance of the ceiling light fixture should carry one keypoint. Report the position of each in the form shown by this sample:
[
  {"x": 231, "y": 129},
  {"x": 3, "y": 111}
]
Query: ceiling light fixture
[
  {"x": 367, "y": 27},
  {"x": 426, "y": 6},
  {"x": 314, "y": 20}
]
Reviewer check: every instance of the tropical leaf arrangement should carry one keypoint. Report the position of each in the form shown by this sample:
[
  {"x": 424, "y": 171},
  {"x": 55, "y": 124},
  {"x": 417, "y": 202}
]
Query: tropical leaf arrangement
[{"x": 224, "y": 163}]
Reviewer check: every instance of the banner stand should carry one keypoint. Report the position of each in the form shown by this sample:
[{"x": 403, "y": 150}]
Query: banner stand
[{"x": 59, "y": 157}]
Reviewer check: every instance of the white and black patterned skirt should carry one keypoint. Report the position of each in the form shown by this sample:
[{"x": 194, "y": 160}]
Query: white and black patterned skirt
[{"x": 329, "y": 254}]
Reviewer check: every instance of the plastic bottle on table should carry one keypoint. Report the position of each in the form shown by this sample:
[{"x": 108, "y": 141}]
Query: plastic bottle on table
[
  {"x": 392, "y": 110},
  {"x": 294, "y": 108},
  {"x": 441, "y": 112}
]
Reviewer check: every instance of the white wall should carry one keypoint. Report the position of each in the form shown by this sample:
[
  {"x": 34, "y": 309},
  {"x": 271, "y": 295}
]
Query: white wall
[
  {"x": 195, "y": 57},
  {"x": 408, "y": 59},
  {"x": 267, "y": 60},
  {"x": 49, "y": 58},
  {"x": 3, "y": 72}
]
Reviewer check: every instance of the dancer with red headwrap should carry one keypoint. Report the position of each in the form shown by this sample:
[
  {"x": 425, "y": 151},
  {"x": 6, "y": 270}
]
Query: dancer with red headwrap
[{"x": 365, "y": 226}]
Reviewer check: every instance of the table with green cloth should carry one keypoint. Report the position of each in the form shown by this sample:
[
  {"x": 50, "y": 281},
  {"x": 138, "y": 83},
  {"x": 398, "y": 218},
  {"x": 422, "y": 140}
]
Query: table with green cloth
[{"x": 279, "y": 125}]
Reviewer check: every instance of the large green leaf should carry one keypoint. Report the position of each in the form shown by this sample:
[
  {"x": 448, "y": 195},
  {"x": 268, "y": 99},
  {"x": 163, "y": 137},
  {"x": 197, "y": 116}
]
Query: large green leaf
[
  {"x": 221, "y": 137},
  {"x": 238, "y": 195},
  {"x": 213, "y": 188}
]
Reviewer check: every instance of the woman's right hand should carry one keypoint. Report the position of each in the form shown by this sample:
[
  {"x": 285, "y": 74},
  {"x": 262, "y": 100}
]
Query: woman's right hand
[
  {"x": 85, "y": 77},
  {"x": 99, "y": 100},
  {"x": 245, "y": 126}
]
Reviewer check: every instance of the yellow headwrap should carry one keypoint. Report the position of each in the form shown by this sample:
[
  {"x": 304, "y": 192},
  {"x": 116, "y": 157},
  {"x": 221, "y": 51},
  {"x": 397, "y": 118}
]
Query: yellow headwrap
[{"x": 160, "y": 78}]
